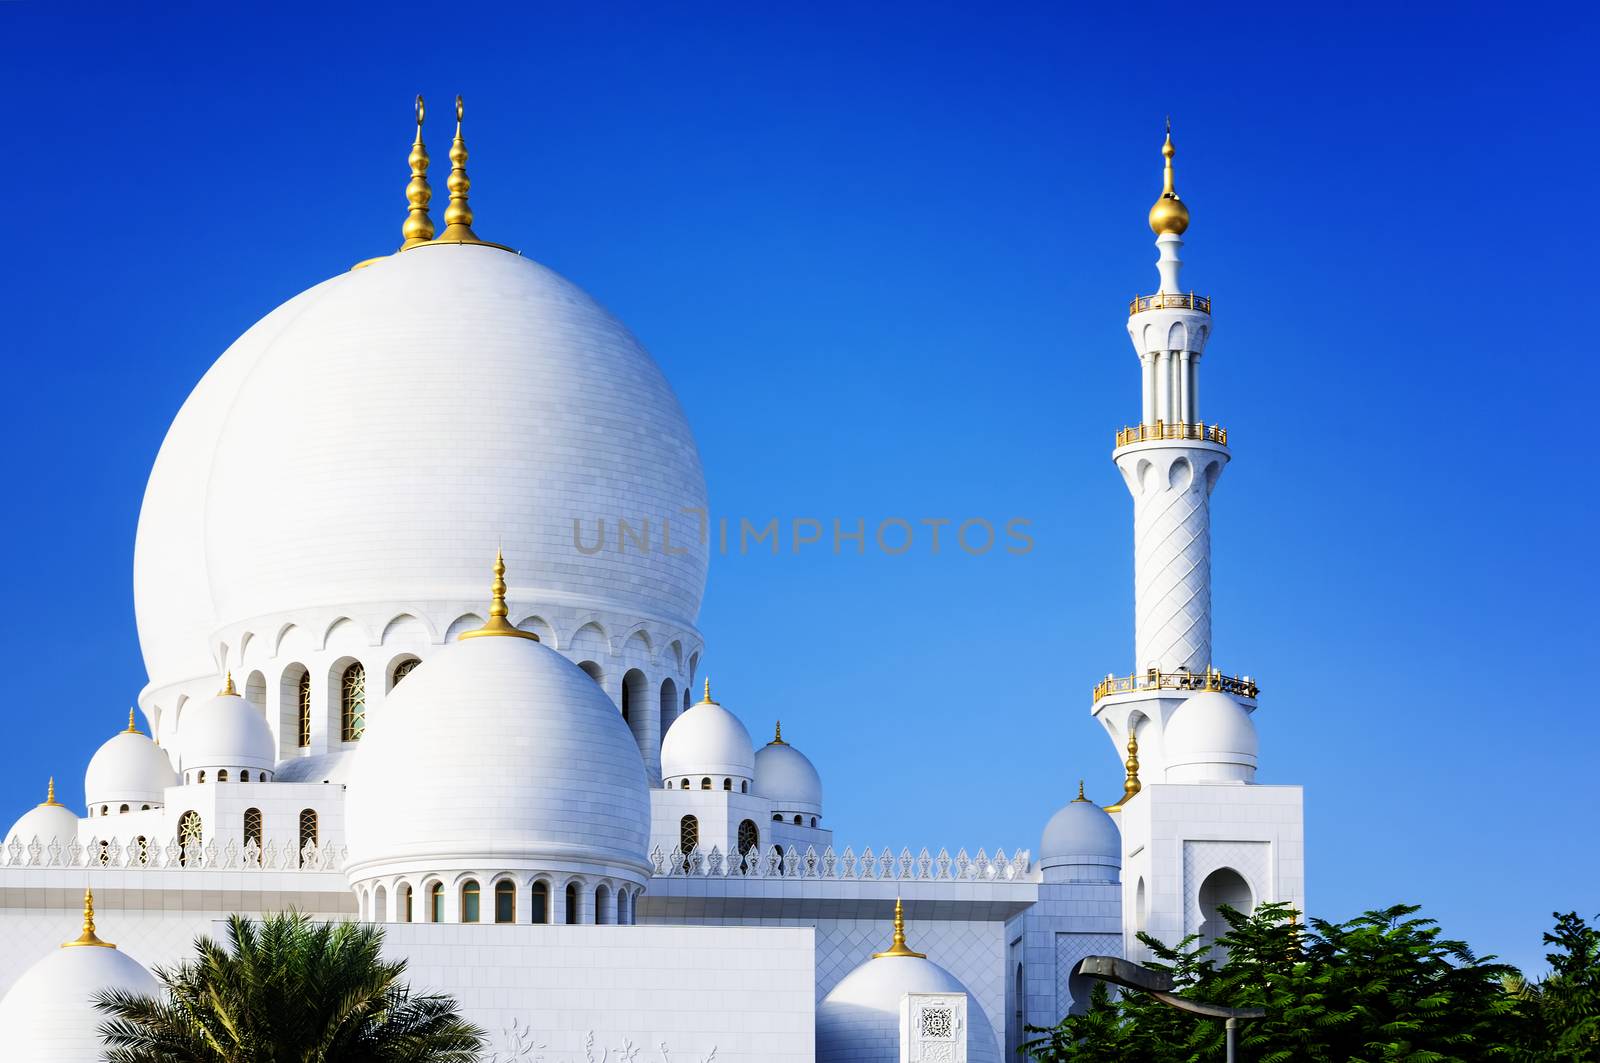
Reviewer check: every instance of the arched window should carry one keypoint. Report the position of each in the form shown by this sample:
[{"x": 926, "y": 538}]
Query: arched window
[
  {"x": 144, "y": 808},
  {"x": 469, "y": 901},
  {"x": 688, "y": 836},
  {"x": 124, "y": 808},
  {"x": 572, "y": 902},
  {"x": 627, "y": 701},
  {"x": 401, "y": 670},
  {"x": 797, "y": 821},
  {"x": 405, "y": 904},
  {"x": 436, "y": 903},
  {"x": 380, "y": 905},
  {"x": 353, "y": 703},
  {"x": 1223, "y": 886},
  {"x": 190, "y": 835},
  {"x": 602, "y": 904},
  {"x": 106, "y": 809},
  {"x": 505, "y": 902},
  {"x": 727, "y": 784},
  {"x": 541, "y": 903},
  {"x": 777, "y": 817},
  {"x": 813, "y": 821},
  {"x": 744, "y": 787},
  {"x": 749, "y": 845},
  {"x": 303, "y": 699},
  {"x": 705, "y": 784},
  {"x": 685, "y": 785},
  {"x": 222, "y": 776},
  {"x": 244, "y": 776},
  {"x": 201, "y": 779},
  {"x": 252, "y": 826},
  {"x": 308, "y": 830}
]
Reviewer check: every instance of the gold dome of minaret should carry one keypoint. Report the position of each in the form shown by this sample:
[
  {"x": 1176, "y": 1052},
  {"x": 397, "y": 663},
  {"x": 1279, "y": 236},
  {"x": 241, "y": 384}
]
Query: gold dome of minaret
[{"x": 1169, "y": 216}]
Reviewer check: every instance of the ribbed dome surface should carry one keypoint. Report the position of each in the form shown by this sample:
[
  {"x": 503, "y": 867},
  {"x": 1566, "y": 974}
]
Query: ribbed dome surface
[
  {"x": 500, "y": 750},
  {"x": 372, "y": 438},
  {"x": 49, "y": 1016}
]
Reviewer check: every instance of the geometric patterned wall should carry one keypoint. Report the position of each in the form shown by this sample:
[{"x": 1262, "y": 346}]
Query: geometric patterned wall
[
  {"x": 1253, "y": 860},
  {"x": 1070, "y": 948}
]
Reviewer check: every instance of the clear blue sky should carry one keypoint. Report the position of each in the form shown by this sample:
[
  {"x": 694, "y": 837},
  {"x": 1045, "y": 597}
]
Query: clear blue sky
[{"x": 884, "y": 256}]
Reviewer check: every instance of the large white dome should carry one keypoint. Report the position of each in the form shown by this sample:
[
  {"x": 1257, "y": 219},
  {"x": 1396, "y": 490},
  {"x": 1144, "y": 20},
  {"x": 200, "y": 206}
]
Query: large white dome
[
  {"x": 48, "y": 1016},
  {"x": 128, "y": 769},
  {"x": 788, "y": 778},
  {"x": 1210, "y": 738},
  {"x": 501, "y": 751},
  {"x": 372, "y": 438},
  {"x": 45, "y": 821},
  {"x": 1081, "y": 844},
  {"x": 707, "y": 741}
]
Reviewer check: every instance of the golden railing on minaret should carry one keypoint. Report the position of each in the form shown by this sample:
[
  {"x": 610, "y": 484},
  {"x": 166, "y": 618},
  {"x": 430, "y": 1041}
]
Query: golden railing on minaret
[
  {"x": 1155, "y": 679},
  {"x": 1170, "y": 301},
  {"x": 1144, "y": 433}
]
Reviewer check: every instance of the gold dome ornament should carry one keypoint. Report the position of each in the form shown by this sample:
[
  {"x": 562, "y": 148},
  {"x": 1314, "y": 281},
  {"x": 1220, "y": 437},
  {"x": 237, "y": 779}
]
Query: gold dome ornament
[
  {"x": 133, "y": 727},
  {"x": 1169, "y": 217},
  {"x": 458, "y": 215},
  {"x": 705, "y": 699},
  {"x": 88, "y": 936},
  {"x": 899, "y": 947},
  {"x": 50, "y": 793},
  {"x": 228, "y": 690},
  {"x": 418, "y": 227},
  {"x": 498, "y": 624},
  {"x": 1130, "y": 785}
]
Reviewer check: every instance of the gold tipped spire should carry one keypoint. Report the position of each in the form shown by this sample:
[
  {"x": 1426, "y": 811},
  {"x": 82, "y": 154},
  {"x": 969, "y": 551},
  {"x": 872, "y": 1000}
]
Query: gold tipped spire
[
  {"x": 1080, "y": 796},
  {"x": 899, "y": 947},
  {"x": 1169, "y": 216},
  {"x": 418, "y": 228},
  {"x": 498, "y": 624},
  {"x": 706, "y": 699},
  {"x": 50, "y": 792},
  {"x": 1130, "y": 785},
  {"x": 133, "y": 726},
  {"x": 88, "y": 936},
  {"x": 777, "y": 735},
  {"x": 458, "y": 216},
  {"x": 227, "y": 690}
]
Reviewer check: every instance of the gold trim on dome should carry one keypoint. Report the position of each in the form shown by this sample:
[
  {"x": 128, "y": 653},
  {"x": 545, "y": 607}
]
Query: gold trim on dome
[
  {"x": 498, "y": 624},
  {"x": 418, "y": 227},
  {"x": 1169, "y": 217},
  {"x": 706, "y": 699},
  {"x": 1080, "y": 796},
  {"x": 899, "y": 947},
  {"x": 777, "y": 735},
  {"x": 133, "y": 727},
  {"x": 228, "y": 690},
  {"x": 1131, "y": 785},
  {"x": 88, "y": 936},
  {"x": 50, "y": 795}
]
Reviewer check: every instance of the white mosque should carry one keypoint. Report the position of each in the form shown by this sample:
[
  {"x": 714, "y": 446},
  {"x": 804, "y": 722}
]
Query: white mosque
[{"x": 355, "y": 709}]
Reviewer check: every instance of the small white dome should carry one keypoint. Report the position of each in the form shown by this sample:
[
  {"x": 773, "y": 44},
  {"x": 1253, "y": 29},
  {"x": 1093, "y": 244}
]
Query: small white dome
[
  {"x": 787, "y": 778},
  {"x": 1210, "y": 738},
  {"x": 497, "y": 750},
  {"x": 48, "y": 1016},
  {"x": 129, "y": 769},
  {"x": 1081, "y": 844},
  {"x": 45, "y": 821},
  {"x": 225, "y": 732},
  {"x": 859, "y": 1020},
  {"x": 708, "y": 740}
]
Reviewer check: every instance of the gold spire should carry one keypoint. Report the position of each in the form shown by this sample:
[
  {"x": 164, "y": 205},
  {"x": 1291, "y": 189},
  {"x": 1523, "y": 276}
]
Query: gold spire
[
  {"x": 133, "y": 727},
  {"x": 227, "y": 690},
  {"x": 1169, "y": 216},
  {"x": 705, "y": 699},
  {"x": 1080, "y": 796},
  {"x": 458, "y": 216},
  {"x": 498, "y": 624},
  {"x": 50, "y": 793},
  {"x": 1130, "y": 785},
  {"x": 777, "y": 735},
  {"x": 88, "y": 936},
  {"x": 418, "y": 228},
  {"x": 899, "y": 948}
]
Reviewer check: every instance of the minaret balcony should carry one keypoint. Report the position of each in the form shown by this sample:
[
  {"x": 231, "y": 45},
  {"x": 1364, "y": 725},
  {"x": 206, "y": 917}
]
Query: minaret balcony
[
  {"x": 1145, "y": 433},
  {"x": 1170, "y": 301},
  {"x": 1155, "y": 679}
]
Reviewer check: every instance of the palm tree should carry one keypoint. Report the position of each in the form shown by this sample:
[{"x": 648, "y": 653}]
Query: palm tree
[{"x": 287, "y": 990}]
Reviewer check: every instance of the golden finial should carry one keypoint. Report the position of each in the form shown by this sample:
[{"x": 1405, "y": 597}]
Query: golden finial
[
  {"x": 706, "y": 699},
  {"x": 1169, "y": 216},
  {"x": 498, "y": 624},
  {"x": 88, "y": 936},
  {"x": 1080, "y": 796},
  {"x": 1130, "y": 785},
  {"x": 777, "y": 735},
  {"x": 458, "y": 216},
  {"x": 227, "y": 690},
  {"x": 50, "y": 792},
  {"x": 418, "y": 228},
  {"x": 133, "y": 726},
  {"x": 899, "y": 948}
]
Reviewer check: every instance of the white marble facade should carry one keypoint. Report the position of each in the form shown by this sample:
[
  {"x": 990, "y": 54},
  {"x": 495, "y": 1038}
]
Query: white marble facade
[{"x": 603, "y": 886}]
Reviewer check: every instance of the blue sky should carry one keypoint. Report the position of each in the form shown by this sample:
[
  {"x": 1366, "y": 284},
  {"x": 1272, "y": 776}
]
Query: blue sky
[{"x": 884, "y": 257}]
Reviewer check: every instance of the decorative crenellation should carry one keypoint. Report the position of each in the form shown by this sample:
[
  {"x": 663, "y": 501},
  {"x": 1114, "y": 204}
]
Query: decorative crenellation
[
  {"x": 790, "y": 862},
  {"x": 144, "y": 853}
]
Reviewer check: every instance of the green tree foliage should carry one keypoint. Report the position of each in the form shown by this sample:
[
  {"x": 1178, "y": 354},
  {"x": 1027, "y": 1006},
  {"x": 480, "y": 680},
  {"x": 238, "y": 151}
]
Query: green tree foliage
[
  {"x": 1385, "y": 987},
  {"x": 1561, "y": 1014},
  {"x": 286, "y": 990}
]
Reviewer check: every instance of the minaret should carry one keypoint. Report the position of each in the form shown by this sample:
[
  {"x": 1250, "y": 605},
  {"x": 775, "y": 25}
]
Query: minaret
[{"x": 1172, "y": 459}]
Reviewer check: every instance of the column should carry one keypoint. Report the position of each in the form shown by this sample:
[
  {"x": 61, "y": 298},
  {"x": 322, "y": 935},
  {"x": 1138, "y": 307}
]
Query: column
[
  {"x": 1147, "y": 362},
  {"x": 1163, "y": 388},
  {"x": 1185, "y": 399}
]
